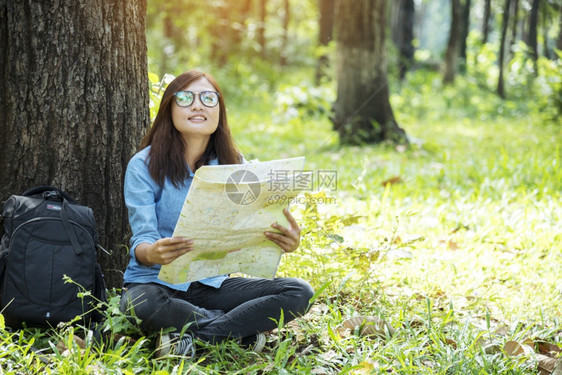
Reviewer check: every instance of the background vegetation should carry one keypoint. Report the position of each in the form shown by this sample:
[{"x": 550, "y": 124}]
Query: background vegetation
[{"x": 443, "y": 256}]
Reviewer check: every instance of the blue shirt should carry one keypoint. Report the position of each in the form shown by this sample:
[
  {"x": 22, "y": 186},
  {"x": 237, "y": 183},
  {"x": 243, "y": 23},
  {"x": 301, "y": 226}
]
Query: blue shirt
[{"x": 153, "y": 214}]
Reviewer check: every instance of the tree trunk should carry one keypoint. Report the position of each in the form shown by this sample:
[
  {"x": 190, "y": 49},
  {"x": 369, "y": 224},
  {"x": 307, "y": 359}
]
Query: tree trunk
[
  {"x": 74, "y": 105},
  {"x": 465, "y": 28},
  {"x": 453, "y": 43},
  {"x": 505, "y": 22},
  {"x": 326, "y": 27},
  {"x": 261, "y": 28},
  {"x": 546, "y": 20},
  {"x": 532, "y": 35},
  {"x": 486, "y": 21},
  {"x": 559, "y": 39},
  {"x": 362, "y": 112},
  {"x": 403, "y": 34},
  {"x": 514, "y": 23}
]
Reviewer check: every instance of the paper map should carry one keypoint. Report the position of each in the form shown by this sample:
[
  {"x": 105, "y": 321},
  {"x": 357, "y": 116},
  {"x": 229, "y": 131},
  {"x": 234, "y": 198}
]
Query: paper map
[{"x": 226, "y": 212}]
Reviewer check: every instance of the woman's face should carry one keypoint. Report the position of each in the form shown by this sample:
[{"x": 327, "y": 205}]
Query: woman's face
[{"x": 196, "y": 119}]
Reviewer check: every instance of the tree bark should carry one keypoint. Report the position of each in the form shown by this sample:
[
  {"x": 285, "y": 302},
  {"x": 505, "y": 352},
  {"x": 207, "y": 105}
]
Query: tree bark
[
  {"x": 362, "y": 112},
  {"x": 325, "y": 32},
  {"x": 505, "y": 23},
  {"x": 514, "y": 23},
  {"x": 261, "y": 28},
  {"x": 465, "y": 28},
  {"x": 453, "y": 43},
  {"x": 486, "y": 21},
  {"x": 403, "y": 34},
  {"x": 74, "y": 105},
  {"x": 532, "y": 35}
]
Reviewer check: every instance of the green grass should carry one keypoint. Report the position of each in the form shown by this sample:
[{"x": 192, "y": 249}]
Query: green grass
[{"x": 460, "y": 255}]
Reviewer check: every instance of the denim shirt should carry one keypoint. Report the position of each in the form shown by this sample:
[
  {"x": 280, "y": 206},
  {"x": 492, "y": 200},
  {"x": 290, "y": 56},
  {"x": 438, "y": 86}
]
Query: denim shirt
[{"x": 153, "y": 213}]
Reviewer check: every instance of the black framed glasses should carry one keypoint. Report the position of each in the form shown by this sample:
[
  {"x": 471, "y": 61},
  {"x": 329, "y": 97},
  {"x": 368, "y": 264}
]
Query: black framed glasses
[{"x": 207, "y": 98}]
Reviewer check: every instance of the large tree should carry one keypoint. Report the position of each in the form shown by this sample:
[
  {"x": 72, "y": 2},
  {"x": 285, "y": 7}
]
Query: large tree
[
  {"x": 74, "y": 104},
  {"x": 362, "y": 111}
]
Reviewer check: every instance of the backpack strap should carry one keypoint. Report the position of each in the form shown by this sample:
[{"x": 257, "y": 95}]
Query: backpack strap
[{"x": 68, "y": 228}]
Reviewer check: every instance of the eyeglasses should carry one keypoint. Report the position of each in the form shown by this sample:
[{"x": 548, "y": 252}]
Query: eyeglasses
[{"x": 207, "y": 98}]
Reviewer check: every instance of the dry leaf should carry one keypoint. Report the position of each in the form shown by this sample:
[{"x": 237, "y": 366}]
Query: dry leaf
[
  {"x": 548, "y": 348},
  {"x": 451, "y": 342},
  {"x": 452, "y": 245},
  {"x": 61, "y": 345},
  {"x": 558, "y": 367},
  {"x": 501, "y": 330},
  {"x": 514, "y": 348},
  {"x": 392, "y": 181},
  {"x": 368, "y": 326},
  {"x": 546, "y": 363},
  {"x": 491, "y": 348}
]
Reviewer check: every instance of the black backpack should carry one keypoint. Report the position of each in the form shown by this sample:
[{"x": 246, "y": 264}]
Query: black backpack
[{"x": 48, "y": 235}]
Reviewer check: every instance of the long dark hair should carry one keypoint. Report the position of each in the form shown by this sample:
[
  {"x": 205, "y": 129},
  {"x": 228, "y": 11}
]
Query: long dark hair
[{"x": 166, "y": 155}]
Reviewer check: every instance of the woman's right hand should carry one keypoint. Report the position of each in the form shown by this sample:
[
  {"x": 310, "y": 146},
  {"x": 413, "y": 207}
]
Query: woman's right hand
[{"x": 163, "y": 251}]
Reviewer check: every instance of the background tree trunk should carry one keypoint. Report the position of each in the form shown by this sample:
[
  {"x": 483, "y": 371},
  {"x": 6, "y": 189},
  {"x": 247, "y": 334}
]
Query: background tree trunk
[
  {"x": 453, "y": 43},
  {"x": 465, "y": 28},
  {"x": 261, "y": 28},
  {"x": 505, "y": 23},
  {"x": 362, "y": 110},
  {"x": 532, "y": 35},
  {"x": 486, "y": 21},
  {"x": 403, "y": 33},
  {"x": 559, "y": 39},
  {"x": 514, "y": 22},
  {"x": 74, "y": 104},
  {"x": 325, "y": 32}
]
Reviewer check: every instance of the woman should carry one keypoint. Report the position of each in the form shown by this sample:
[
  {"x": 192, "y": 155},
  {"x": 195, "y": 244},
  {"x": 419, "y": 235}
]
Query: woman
[{"x": 191, "y": 130}]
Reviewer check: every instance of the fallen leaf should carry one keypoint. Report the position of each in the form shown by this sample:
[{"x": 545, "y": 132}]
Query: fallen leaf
[
  {"x": 548, "y": 348},
  {"x": 392, "y": 181},
  {"x": 558, "y": 367},
  {"x": 451, "y": 342},
  {"x": 501, "y": 330},
  {"x": 452, "y": 245},
  {"x": 546, "y": 363},
  {"x": 368, "y": 326},
  {"x": 61, "y": 345},
  {"x": 514, "y": 348},
  {"x": 491, "y": 348}
]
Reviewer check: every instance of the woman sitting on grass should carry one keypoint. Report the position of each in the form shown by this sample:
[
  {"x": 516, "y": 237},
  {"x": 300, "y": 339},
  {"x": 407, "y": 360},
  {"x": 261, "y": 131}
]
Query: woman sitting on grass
[{"x": 191, "y": 130}]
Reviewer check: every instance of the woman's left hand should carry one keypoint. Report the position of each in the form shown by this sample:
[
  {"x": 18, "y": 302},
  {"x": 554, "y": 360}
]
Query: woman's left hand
[{"x": 289, "y": 238}]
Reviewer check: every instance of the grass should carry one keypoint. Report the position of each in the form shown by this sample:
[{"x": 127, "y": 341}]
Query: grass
[{"x": 455, "y": 242}]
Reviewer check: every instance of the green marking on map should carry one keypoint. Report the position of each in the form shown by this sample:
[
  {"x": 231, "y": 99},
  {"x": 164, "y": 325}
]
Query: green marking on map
[{"x": 210, "y": 255}]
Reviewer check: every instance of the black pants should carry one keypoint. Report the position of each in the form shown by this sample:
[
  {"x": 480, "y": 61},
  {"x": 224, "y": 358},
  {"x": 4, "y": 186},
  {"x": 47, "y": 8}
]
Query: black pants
[{"x": 241, "y": 307}]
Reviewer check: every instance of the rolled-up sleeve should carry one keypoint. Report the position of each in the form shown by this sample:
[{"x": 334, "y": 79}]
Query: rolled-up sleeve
[{"x": 141, "y": 193}]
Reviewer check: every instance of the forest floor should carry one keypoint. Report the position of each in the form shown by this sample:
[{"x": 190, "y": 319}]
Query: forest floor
[{"x": 443, "y": 257}]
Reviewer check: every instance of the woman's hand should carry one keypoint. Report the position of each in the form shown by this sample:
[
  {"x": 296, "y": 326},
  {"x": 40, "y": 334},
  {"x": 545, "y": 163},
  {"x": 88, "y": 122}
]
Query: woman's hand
[
  {"x": 163, "y": 251},
  {"x": 289, "y": 238}
]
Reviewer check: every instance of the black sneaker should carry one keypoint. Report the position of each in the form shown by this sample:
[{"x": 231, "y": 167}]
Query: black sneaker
[{"x": 172, "y": 343}]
